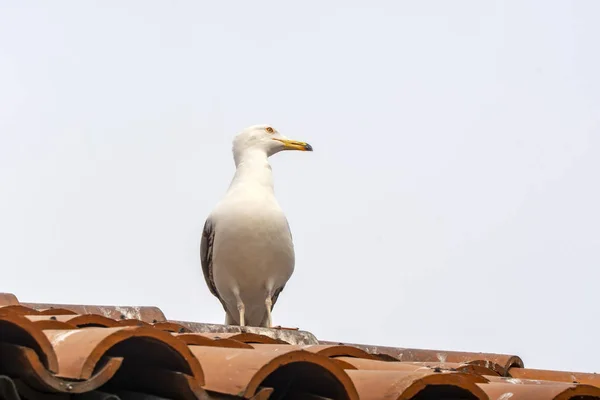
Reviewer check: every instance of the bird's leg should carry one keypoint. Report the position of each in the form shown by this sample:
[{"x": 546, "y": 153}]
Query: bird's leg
[
  {"x": 269, "y": 304},
  {"x": 240, "y": 305},
  {"x": 241, "y": 309}
]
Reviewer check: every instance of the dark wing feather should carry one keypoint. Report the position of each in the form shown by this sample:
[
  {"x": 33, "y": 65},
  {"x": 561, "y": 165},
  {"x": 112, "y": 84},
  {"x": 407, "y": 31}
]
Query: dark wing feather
[
  {"x": 276, "y": 296},
  {"x": 206, "y": 250}
]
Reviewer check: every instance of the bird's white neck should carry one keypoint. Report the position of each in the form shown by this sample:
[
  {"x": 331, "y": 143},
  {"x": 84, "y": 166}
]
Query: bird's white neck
[{"x": 253, "y": 169}]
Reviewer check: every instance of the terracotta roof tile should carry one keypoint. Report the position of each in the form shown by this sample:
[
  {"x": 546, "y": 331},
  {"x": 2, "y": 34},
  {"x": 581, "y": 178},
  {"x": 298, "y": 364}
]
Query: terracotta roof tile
[
  {"x": 113, "y": 353},
  {"x": 516, "y": 389},
  {"x": 199, "y": 339},
  {"x": 556, "y": 376},
  {"x": 417, "y": 384},
  {"x": 497, "y": 362},
  {"x": 246, "y": 337},
  {"x": 331, "y": 351},
  {"x": 8, "y": 299},
  {"x": 282, "y": 368},
  {"x": 76, "y": 321},
  {"x": 146, "y": 314}
]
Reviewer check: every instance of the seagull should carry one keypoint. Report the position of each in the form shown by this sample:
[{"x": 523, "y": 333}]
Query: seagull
[{"x": 246, "y": 250}]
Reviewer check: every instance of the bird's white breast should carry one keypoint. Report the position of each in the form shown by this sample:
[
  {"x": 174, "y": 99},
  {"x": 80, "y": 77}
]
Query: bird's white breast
[{"x": 253, "y": 249}]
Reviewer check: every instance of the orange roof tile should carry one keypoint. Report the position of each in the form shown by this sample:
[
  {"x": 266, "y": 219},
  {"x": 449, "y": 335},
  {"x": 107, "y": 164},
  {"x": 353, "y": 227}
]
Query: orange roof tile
[{"x": 122, "y": 352}]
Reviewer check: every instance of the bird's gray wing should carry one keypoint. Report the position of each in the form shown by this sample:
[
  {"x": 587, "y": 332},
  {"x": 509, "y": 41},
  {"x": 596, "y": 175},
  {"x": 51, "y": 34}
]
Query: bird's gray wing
[
  {"x": 206, "y": 251},
  {"x": 276, "y": 296}
]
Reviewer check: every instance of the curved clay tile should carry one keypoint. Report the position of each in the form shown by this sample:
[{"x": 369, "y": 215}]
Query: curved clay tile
[
  {"x": 196, "y": 339},
  {"x": 8, "y": 299},
  {"x": 45, "y": 323},
  {"x": 470, "y": 368},
  {"x": 539, "y": 391},
  {"x": 26, "y": 365},
  {"x": 397, "y": 385},
  {"x": 245, "y": 337},
  {"x": 143, "y": 313},
  {"x": 378, "y": 365},
  {"x": 556, "y": 376},
  {"x": 18, "y": 330},
  {"x": 171, "y": 327},
  {"x": 132, "y": 322},
  {"x": 56, "y": 311},
  {"x": 79, "y": 351},
  {"x": 241, "y": 372},
  {"x": 323, "y": 350},
  {"x": 87, "y": 320},
  {"x": 500, "y": 363},
  {"x": 18, "y": 310},
  {"x": 75, "y": 321}
]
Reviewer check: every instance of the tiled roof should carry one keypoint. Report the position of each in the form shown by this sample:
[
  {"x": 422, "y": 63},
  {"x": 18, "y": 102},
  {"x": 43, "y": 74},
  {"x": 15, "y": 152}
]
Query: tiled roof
[{"x": 50, "y": 351}]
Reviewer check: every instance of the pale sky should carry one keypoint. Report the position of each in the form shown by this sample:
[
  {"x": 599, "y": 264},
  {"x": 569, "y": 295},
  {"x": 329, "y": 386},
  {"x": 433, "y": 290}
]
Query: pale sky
[{"x": 451, "y": 201}]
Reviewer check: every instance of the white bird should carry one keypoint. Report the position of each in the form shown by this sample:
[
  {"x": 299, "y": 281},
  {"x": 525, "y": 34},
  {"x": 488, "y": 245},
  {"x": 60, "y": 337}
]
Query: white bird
[{"x": 246, "y": 251}]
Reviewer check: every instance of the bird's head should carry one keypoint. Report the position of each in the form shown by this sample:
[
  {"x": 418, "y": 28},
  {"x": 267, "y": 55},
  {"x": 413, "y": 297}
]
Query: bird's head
[{"x": 267, "y": 139}]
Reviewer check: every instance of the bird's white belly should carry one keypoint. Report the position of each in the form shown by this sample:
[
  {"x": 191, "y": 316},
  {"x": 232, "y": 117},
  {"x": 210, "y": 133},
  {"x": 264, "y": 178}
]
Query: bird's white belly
[{"x": 253, "y": 257}]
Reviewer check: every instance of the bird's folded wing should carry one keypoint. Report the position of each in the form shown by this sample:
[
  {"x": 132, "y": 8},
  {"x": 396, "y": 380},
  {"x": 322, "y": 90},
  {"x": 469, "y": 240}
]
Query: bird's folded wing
[
  {"x": 276, "y": 296},
  {"x": 206, "y": 250}
]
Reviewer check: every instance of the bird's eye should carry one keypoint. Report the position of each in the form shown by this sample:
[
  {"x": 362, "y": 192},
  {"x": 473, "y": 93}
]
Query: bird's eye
[{"x": 269, "y": 129}]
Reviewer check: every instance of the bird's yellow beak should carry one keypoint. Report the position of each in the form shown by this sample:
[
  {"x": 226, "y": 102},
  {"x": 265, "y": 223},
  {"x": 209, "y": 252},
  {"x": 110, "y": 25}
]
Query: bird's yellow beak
[{"x": 295, "y": 145}]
